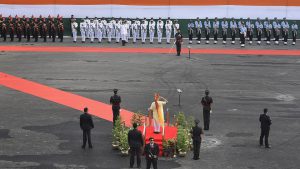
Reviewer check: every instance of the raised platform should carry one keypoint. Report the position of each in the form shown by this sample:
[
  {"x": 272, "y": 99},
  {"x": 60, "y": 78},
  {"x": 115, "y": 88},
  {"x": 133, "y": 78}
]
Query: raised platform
[{"x": 170, "y": 133}]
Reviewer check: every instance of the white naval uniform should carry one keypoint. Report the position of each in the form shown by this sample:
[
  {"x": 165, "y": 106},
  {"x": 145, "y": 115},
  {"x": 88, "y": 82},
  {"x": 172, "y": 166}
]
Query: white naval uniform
[
  {"x": 87, "y": 28},
  {"x": 143, "y": 32},
  {"x": 74, "y": 26},
  {"x": 118, "y": 31},
  {"x": 168, "y": 27},
  {"x": 176, "y": 27},
  {"x": 100, "y": 31},
  {"x": 83, "y": 30},
  {"x": 109, "y": 30},
  {"x": 160, "y": 26},
  {"x": 151, "y": 31},
  {"x": 134, "y": 32},
  {"x": 92, "y": 31}
]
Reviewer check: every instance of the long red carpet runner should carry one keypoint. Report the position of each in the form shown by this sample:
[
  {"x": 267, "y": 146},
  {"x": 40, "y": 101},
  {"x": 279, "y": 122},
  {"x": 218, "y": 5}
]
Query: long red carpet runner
[
  {"x": 77, "y": 102},
  {"x": 269, "y": 52}
]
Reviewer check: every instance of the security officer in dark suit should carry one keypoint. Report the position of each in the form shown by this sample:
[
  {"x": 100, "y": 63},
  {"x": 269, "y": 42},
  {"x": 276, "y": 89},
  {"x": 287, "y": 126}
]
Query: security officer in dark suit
[
  {"x": 197, "y": 134},
  {"x": 86, "y": 124},
  {"x": 206, "y": 103},
  {"x": 178, "y": 42},
  {"x": 151, "y": 152},
  {"x": 265, "y": 123},
  {"x": 115, "y": 101},
  {"x": 136, "y": 142}
]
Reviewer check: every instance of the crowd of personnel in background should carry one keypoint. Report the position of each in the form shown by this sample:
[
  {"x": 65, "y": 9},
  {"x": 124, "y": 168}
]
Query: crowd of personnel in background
[
  {"x": 31, "y": 27},
  {"x": 116, "y": 29}
]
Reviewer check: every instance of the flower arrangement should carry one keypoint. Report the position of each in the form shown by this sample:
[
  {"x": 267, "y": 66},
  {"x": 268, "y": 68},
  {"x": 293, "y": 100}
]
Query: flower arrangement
[{"x": 137, "y": 118}]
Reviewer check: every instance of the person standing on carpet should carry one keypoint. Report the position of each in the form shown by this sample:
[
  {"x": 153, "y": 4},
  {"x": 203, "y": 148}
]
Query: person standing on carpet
[
  {"x": 115, "y": 101},
  {"x": 136, "y": 142},
  {"x": 151, "y": 153},
  {"x": 197, "y": 134},
  {"x": 86, "y": 124},
  {"x": 157, "y": 110}
]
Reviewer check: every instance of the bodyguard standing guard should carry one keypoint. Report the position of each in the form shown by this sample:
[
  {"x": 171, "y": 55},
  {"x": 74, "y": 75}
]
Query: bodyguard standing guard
[
  {"x": 86, "y": 124},
  {"x": 191, "y": 31},
  {"x": 265, "y": 123},
  {"x": 178, "y": 42},
  {"x": 224, "y": 25},
  {"x": 207, "y": 27},
  {"x": 151, "y": 153},
  {"x": 206, "y": 103},
  {"x": 197, "y": 134},
  {"x": 135, "y": 142},
  {"x": 294, "y": 32},
  {"x": 115, "y": 101},
  {"x": 198, "y": 25}
]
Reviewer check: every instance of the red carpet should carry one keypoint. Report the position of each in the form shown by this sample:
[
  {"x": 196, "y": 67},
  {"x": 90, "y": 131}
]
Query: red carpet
[
  {"x": 170, "y": 133},
  {"x": 71, "y": 49},
  {"x": 74, "y": 101}
]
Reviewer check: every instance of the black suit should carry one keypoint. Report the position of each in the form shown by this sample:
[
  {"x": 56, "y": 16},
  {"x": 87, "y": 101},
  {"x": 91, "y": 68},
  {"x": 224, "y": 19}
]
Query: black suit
[
  {"x": 115, "y": 101},
  {"x": 150, "y": 153},
  {"x": 135, "y": 141},
  {"x": 196, "y": 135},
  {"x": 265, "y": 122},
  {"x": 86, "y": 124}
]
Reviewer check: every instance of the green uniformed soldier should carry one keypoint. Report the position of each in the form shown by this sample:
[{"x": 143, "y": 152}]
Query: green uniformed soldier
[
  {"x": 178, "y": 42},
  {"x": 197, "y": 134},
  {"x": 206, "y": 103}
]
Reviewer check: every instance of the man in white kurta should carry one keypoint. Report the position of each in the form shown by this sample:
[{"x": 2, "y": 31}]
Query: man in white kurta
[{"x": 157, "y": 110}]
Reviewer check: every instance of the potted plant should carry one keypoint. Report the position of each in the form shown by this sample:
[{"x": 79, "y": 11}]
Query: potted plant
[
  {"x": 181, "y": 121},
  {"x": 116, "y": 133},
  {"x": 169, "y": 147},
  {"x": 182, "y": 141},
  {"x": 124, "y": 146}
]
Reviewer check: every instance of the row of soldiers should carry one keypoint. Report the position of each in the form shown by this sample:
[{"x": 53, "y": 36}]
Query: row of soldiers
[
  {"x": 243, "y": 29},
  {"x": 136, "y": 28},
  {"x": 33, "y": 27}
]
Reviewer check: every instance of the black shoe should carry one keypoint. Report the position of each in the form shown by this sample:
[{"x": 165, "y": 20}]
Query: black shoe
[
  {"x": 196, "y": 158},
  {"x": 83, "y": 147}
]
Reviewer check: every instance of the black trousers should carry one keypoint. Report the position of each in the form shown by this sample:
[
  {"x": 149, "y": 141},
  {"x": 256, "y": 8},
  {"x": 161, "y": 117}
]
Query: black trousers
[
  {"x": 178, "y": 48},
  {"x": 250, "y": 36},
  {"x": 294, "y": 37},
  {"x": 242, "y": 37},
  {"x": 258, "y": 36},
  {"x": 116, "y": 113},
  {"x": 150, "y": 161},
  {"x": 135, "y": 151},
  {"x": 191, "y": 36},
  {"x": 123, "y": 42},
  {"x": 196, "y": 147},
  {"x": 264, "y": 134},
  {"x": 268, "y": 36},
  {"x": 206, "y": 35},
  {"x": 198, "y": 36},
  {"x": 206, "y": 119},
  {"x": 276, "y": 37},
  {"x": 216, "y": 36},
  {"x": 11, "y": 36},
  {"x": 87, "y": 137},
  {"x": 232, "y": 36},
  {"x": 28, "y": 37},
  {"x": 285, "y": 36},
  {"x": 19, "y": 36},
  {"x": 224, "y": 36}
]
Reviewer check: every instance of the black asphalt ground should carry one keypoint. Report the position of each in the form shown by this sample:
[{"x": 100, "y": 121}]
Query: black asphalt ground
[{"x": 35, "y": 133}]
